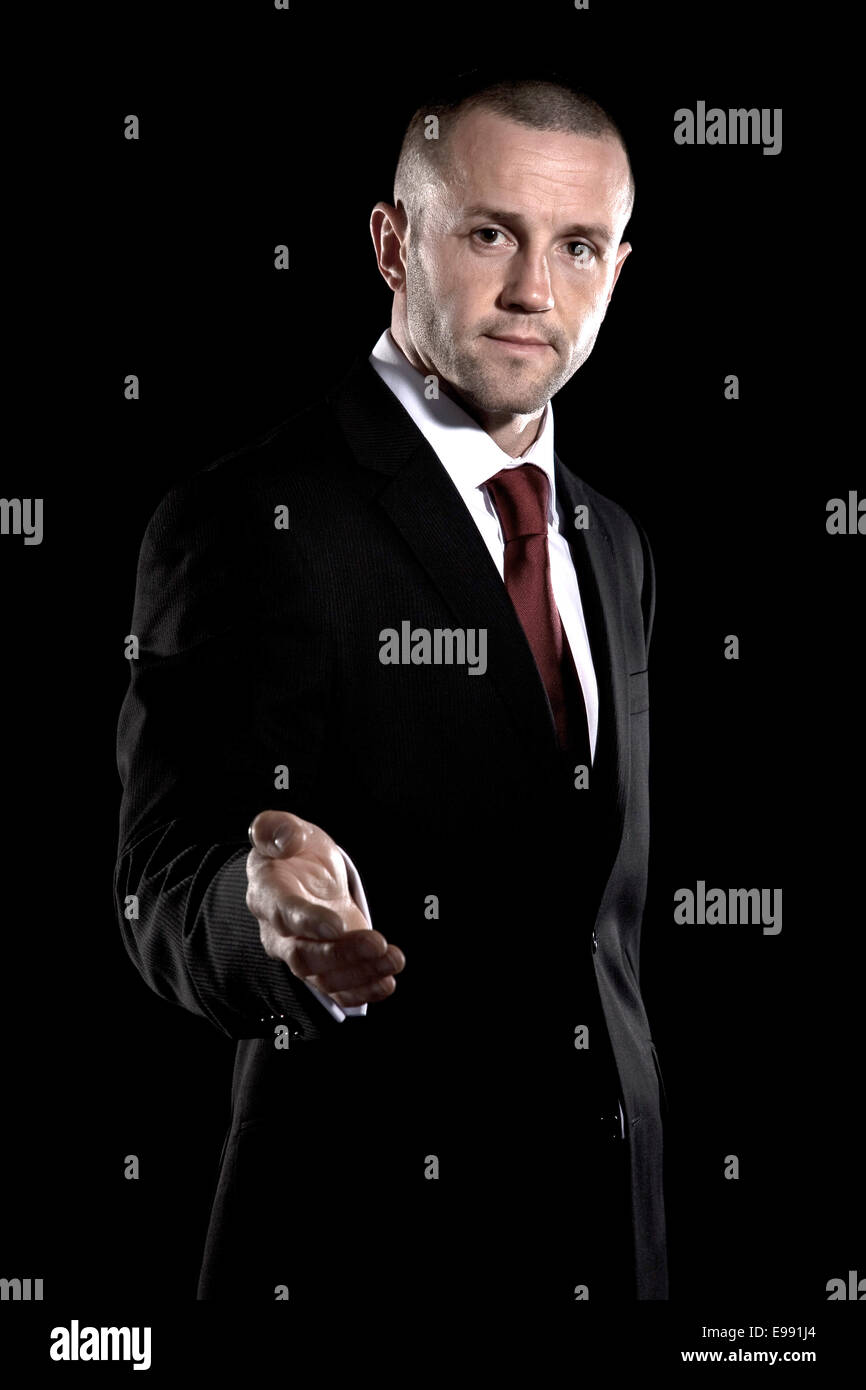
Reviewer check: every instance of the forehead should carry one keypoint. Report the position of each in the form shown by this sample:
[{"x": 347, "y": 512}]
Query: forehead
[{"x": 497, "y": 161}]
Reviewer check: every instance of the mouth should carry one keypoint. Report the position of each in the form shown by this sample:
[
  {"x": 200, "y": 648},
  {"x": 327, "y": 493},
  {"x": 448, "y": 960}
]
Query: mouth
[{"x": 526, "y": 346}]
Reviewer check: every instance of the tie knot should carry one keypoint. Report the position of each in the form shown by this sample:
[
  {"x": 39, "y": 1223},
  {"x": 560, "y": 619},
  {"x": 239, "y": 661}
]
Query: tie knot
[{"x": 521, "y": 497}]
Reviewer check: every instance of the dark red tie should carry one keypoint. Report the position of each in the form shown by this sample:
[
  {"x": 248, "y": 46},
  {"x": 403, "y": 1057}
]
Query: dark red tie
[{"x": 521, "y": 497}]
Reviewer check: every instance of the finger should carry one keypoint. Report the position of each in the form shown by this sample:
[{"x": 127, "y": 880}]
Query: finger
[
  {"x": 359, "y": 977},
  {"x": 361, "y": 947},
  {"x": 352, "y": 976},
  {"x": 280, "y": 834}
]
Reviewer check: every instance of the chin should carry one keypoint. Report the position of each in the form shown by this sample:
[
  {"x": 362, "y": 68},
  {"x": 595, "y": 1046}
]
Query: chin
[{"x": 507, "y": 403}]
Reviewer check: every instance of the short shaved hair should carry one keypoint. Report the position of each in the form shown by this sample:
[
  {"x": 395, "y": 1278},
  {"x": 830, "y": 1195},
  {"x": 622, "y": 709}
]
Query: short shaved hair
[{"x": 541, "y": 103}]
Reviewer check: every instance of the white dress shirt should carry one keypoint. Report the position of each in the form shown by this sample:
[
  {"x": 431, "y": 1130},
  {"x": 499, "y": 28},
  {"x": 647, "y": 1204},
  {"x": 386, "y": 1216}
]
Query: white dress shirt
[{"x": 470, "y": 457}]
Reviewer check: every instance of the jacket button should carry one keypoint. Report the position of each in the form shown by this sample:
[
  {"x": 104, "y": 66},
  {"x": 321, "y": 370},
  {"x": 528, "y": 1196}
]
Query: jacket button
[{"x": 594, "y": 942}]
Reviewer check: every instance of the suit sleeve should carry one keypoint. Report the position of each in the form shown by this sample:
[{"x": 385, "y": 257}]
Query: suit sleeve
[{"x": 202, "y": 730}]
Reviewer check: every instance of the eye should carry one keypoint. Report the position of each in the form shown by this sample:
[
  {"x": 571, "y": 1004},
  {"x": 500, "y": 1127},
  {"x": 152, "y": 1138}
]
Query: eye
[
  {"x": 492, "y": 231},
  {"x": 582, "y": 245}
]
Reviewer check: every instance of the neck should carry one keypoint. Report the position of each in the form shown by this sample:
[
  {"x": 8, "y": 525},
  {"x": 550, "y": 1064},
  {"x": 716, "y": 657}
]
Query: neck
[{"x": 513, "y": 434}]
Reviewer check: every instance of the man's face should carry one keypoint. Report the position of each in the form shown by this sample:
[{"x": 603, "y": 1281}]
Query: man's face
[{"x": 520, "y": 239}]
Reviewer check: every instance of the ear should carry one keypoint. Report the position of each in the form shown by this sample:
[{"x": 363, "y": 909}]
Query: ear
[
  {"x": 623, "y": 250},
  {"x": 388, "y": 225}
]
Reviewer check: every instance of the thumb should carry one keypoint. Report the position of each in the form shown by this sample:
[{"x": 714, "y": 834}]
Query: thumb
[{"x": 278, "y": 834}]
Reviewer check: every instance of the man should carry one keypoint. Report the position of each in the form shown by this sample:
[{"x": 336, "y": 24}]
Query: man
[{"x": 405, "y": 647}]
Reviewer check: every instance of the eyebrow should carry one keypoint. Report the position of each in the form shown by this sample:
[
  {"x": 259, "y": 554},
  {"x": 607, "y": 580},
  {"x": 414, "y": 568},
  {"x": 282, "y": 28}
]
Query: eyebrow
[{"x": 592, "y": 230}]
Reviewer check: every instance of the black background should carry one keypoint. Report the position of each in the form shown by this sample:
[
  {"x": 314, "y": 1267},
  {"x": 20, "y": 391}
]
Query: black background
[{"x": 261, "y": 127}]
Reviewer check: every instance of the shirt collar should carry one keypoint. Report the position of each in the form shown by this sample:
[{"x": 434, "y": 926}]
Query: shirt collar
[{"x": 464, "y": 449}]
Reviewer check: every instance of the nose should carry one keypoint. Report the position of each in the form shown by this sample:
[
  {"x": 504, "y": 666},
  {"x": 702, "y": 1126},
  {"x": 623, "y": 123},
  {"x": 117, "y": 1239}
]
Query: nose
[{"x": 528, "y": 286}]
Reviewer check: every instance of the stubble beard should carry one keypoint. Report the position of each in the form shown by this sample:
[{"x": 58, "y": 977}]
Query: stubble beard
[{"x": 511, "y": 387}]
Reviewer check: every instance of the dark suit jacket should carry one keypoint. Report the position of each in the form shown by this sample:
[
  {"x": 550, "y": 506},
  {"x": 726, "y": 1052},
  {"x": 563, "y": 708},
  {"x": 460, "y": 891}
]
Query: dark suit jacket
[{"x": 259, "y": 648}]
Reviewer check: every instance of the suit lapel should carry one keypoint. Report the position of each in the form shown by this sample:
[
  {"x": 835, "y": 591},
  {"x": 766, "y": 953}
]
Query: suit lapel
[
  {"x": 594, "y": 561},
  {"x": 419, "y": 497}
]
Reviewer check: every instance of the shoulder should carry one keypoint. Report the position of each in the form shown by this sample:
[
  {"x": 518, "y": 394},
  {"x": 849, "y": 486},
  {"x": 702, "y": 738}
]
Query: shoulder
[{"x": 295, "y": 464}]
